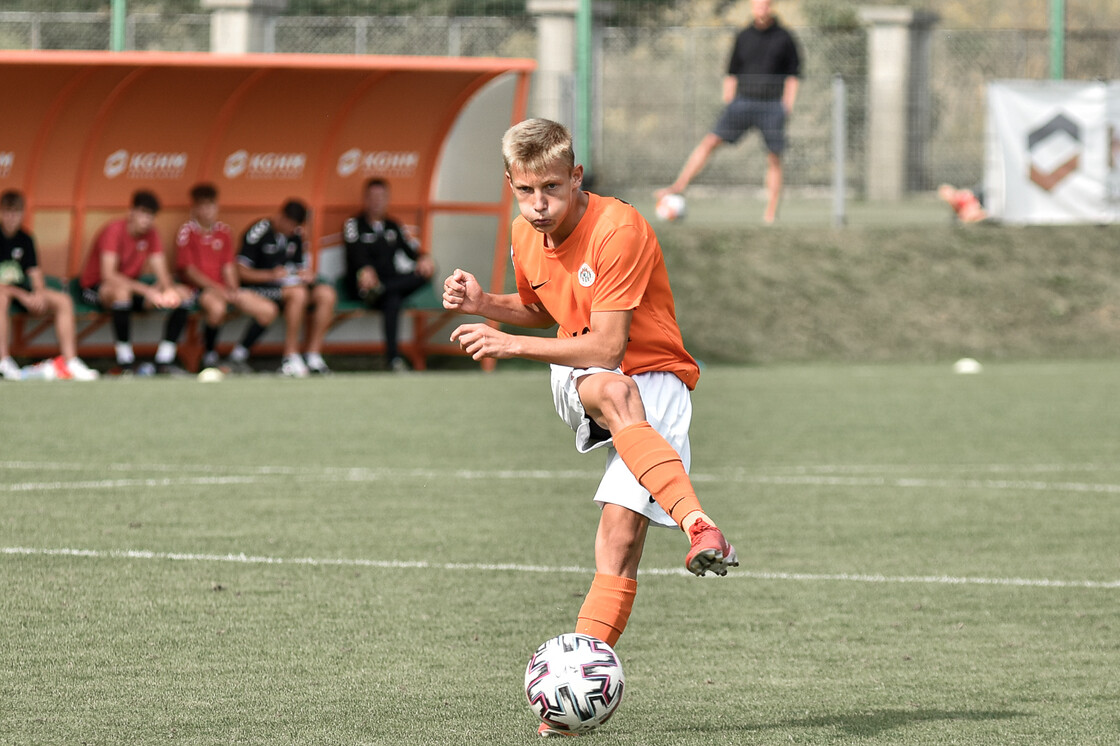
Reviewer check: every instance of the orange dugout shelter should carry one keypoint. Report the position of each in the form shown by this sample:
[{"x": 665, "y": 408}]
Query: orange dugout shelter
[{"x": 87, "y": 129}]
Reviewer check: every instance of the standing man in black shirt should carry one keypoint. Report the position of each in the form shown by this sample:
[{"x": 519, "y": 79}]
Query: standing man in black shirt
[
  {"x": 384, "y": 264},
  {"x": 759, "y": 89}
]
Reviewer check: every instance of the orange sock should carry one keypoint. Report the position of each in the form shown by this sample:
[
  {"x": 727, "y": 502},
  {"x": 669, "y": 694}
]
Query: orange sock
[
  {"x": 607, "y": 607},
  {"x": 658, "y": 468}
]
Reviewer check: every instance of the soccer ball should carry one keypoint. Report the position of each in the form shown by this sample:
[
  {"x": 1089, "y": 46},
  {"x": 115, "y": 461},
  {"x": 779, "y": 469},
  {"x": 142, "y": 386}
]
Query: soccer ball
[
  {"x": 671, "y": 207},
  {"x": 574, "y": 682}
]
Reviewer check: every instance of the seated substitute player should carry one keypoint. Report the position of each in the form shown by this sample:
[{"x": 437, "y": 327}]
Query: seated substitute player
[
  {"x": 272, "y": 263},
  {"x": 384, "y": 264},
  {"x": 205, "y": 261},
  {"x": 620, "y": 374},
  {"x": 111, "y": 279},
  {"x": 23, "y": 287}
]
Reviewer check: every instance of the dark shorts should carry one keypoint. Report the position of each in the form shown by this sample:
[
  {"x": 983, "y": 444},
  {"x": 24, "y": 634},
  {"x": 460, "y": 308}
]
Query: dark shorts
[
  {"x": 91, "y": 297},
  {"x": 744, "y": 113},
  {"x": 274, "y": 293}
]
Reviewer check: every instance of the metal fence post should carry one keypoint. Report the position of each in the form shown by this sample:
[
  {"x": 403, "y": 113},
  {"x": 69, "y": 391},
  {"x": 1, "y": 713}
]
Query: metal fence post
[
  {"x": 119, "y": 12},
  {"x": 839, "y": 148}
]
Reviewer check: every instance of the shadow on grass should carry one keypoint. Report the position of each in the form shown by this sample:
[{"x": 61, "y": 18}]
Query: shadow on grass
[
  {"x": 867, "y": 722},
  {"x": 874, "y": 722}
]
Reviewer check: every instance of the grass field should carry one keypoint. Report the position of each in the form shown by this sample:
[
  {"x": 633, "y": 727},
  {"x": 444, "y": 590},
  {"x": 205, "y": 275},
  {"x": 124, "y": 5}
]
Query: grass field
[{"x": 370, "y": 559}]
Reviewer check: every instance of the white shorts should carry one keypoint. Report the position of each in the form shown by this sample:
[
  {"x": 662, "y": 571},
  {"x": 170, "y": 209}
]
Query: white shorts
[{"x": 668, "y": 406}]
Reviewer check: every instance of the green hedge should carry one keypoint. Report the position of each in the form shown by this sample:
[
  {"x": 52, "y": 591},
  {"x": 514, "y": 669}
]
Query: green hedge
[{"x": 878, "y": 294}]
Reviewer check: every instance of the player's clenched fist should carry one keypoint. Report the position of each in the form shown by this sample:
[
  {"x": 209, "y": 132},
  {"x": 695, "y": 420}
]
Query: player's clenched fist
[{"x": 461, "y": 292}]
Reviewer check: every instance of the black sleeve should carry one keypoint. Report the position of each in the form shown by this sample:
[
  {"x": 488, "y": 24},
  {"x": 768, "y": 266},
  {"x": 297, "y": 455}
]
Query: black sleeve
[
  {"x": 251, "y": 254},
  {"x": 356, "y": 255}
]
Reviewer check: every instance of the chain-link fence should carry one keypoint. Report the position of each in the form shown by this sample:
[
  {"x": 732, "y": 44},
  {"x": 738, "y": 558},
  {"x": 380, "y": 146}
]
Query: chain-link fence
[{"x": 657, "y": 88}]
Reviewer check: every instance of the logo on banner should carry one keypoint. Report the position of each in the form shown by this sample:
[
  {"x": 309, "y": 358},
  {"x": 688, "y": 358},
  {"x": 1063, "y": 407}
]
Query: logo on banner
[
  {"x": 7, "y": 162},
  {"x": 1055, "y": 151},
  {"x": 150, "y": 165},
  {"x": 264, "y": 165},
  {"x": 378, "y": 162}
]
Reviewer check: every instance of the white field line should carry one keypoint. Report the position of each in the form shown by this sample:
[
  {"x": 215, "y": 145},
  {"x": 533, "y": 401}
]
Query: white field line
[
  {"x": 796, "y": 469},
  {"x": 244, "y": 559},
  {"x": 264, "y": 475}
]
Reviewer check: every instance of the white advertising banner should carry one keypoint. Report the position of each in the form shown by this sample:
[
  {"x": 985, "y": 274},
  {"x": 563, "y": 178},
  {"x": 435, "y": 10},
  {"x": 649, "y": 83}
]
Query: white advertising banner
[{"x": 1050, "y": 152}]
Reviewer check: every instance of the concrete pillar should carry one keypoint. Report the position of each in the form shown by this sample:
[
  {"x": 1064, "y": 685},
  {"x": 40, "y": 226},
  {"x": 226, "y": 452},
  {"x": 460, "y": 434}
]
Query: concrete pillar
[
  {"x": 897, "y": 98},
  {"x": 554, "y": 85},
  {"x": 240, "y": 26}
]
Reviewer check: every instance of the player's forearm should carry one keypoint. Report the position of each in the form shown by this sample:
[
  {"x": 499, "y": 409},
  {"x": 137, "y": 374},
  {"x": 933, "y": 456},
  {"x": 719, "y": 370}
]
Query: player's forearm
[
  {"x": 255, "y": 276},
  {"x": 730, "y": 86},
  {"x": 38, "y": 282},
  {"x": 136, "y": 286},
  {"x": 583, "y": 351},
  {"x": 508, "y": 309},
  {"x": 789, "y": 92},
  {"x": 196, "y": 277}
]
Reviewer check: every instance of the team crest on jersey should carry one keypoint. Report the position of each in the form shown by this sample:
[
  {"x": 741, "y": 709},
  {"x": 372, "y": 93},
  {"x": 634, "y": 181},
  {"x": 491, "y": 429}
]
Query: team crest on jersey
[{"x": 586, "y": 275}]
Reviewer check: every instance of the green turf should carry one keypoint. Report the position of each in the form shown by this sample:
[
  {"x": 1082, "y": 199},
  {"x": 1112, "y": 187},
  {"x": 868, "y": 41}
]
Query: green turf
[{"x": 370, "y": 559}]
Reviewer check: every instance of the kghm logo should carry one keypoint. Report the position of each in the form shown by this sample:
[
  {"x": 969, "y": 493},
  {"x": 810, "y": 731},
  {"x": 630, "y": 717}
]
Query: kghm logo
[
  {"x": 378, "y": 162},
  {"x": 1055, "y": 151},
  {"x": 152, "y": 165},
  {"x": 264, "y": 165},
  {"x": 7, "y": 162}
]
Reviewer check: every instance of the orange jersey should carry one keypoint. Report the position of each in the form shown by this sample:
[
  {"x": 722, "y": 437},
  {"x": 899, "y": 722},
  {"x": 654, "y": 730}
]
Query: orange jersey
[{"x": 611, "y": 262}]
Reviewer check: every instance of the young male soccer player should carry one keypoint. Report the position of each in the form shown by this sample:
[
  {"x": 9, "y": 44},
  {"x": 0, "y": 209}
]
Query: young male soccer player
[
  {"x": 111, "y": 279},
  {"x": 272, "y": 264},
  {"x": 620, "y": 374},
  {"x": 22, "y": 286},
  {"x": 205, "y": 262}
]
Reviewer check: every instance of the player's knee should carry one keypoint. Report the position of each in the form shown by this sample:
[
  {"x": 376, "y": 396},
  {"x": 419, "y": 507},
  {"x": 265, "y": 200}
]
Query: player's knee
[
  {"x": 295, "y": 299},
  {"x": 325, "y": 298},
  {"x": 620, "y": 401},
  {"x": 213, "y": 309},
  {"x": 61, "y": 303},
  {"x": 266, "y": 314},
  {"x": 115, "y": 294}
]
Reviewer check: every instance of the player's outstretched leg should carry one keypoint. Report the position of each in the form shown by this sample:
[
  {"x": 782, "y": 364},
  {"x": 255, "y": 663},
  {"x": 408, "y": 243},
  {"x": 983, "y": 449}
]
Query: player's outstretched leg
[{"x": 658, "y": 468}]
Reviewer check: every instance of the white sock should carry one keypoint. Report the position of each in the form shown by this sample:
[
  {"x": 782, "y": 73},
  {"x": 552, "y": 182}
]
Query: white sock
[
  {"x": 165, "y": 353},
  {"x": 239, "y": 353},
  {"x": 125, "y": 355}
]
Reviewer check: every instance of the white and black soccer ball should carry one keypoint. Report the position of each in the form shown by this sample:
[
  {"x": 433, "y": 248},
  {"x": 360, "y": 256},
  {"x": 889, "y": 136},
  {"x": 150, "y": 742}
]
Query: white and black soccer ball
[
  {"x": 574, "y": 682},
  {"x": 671, "y": 207}
]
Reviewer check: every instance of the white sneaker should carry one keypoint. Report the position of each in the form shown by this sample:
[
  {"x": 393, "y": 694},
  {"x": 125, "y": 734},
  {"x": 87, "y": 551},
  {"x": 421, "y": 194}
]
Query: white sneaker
[
  {"x": 41, "y": 371},
  {"x": 79, "y": 371},
  {"x": 294, "y": 367},
  {"x": 10, "y": 370},
  {"x": 316, "y": 363}
]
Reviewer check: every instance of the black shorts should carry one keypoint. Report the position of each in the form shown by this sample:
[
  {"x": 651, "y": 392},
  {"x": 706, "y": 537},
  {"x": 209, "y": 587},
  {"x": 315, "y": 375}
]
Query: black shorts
[
  {"x": 744, "y": 113},
  {"x": 91, "y": 297},
  {"x": 274, "y": 293}
]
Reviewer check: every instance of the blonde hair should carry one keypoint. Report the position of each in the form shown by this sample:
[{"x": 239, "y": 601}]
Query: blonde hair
[{"x": 535, "y": 145}]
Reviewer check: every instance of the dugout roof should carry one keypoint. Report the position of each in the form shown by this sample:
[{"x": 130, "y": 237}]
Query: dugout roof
[{"x": 92, "y": 127}]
